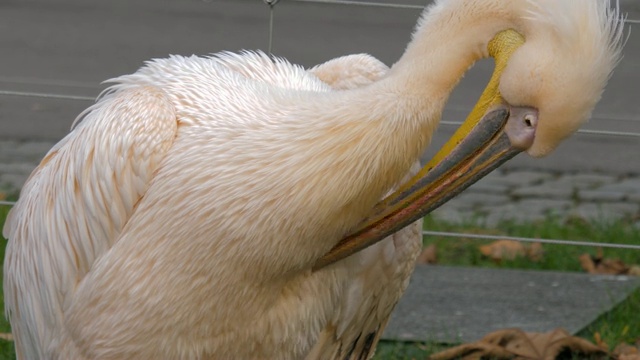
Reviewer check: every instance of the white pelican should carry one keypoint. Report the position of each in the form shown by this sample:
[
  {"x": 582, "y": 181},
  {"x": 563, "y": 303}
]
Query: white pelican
[{"x": 192, "y": 211}]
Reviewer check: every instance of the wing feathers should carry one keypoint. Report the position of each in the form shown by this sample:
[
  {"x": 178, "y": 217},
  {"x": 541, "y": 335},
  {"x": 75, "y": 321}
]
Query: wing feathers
[{"x": 75, "y": 204}]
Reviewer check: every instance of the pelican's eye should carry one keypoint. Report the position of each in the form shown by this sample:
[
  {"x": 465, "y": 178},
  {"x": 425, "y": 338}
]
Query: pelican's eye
[{"x": 529, "y": 120}]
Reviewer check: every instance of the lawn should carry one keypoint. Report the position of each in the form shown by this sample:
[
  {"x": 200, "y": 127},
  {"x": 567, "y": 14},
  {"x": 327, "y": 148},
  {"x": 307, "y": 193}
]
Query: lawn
[
  {"x": 620, "y": 325},
  {"x": 6, "y": 347}
]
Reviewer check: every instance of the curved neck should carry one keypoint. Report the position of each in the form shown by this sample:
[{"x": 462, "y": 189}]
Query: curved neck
[
  {"x": 370, "y": 136},
  {"x": 448, "y": 39}
]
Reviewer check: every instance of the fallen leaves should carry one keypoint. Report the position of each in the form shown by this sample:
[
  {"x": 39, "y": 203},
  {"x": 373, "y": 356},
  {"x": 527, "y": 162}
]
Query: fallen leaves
[
  {"x": 515, "y": 344},
  {"x": 510, "y": 250},
  {"x": 626, "y": 352},
  {"x": 600, "y": 265},
  {"x": 429, "y": 255},
  {"x": 6, "y": 336}
]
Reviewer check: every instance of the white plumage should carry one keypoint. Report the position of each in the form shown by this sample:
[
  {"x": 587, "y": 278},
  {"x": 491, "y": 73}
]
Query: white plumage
[{"x": 182, "y": 215}]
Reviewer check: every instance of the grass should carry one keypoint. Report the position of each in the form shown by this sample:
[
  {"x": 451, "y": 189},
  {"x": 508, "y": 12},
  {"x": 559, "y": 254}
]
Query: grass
[
  {"x": 6, "y": 347},
  {"x": 463, "y": 252},
  {"x": 622, "y": 324}
]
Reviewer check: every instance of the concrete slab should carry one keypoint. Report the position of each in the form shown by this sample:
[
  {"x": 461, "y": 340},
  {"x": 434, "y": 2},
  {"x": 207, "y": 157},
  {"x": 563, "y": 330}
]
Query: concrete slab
[{"x": 457, "y": 304}]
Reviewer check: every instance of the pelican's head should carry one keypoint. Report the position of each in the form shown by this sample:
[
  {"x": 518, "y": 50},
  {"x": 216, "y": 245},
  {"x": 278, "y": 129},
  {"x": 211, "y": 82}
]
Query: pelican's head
[
  {"x": 552, "y": 63},
  {"x": 570, "y": 50}
]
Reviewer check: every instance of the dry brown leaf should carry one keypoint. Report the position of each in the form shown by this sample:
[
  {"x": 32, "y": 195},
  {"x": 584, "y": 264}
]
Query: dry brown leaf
[
  {"x": 629, "y": 357},
  {"x": 587, "y": 263},
  {"x": 515, "y": 344},
  {"x": 613, "y": 267},
  {"x": 503, "y": 250},
  {"x": 3, "y": 196},
  {"x": 535, "y": 251},
  {"x": 510, "y": 249},
  {"x": 600, "y": 265},
  {"x": 597, "y": 338},
  {"x": 429, "y": 255},
  {"x": 6, "y": 336},
  {"x": 634, "y": 270},
  {"x": 625, "y": 350}
]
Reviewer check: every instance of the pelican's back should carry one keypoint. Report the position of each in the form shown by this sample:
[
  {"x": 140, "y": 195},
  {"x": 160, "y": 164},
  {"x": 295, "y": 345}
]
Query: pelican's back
[{"x": 73, "y": 208}]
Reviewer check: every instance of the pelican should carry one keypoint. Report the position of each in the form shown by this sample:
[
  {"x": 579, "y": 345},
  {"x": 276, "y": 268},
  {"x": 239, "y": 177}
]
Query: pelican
[{"x": 218, "y": 207}]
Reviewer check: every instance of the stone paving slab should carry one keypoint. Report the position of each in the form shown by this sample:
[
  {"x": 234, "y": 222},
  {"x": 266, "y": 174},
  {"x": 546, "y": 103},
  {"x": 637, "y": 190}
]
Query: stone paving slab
[
  {"x": 540, "y": 194},
  {"x": 458, "y": 304},
  {"x": 604, "y": 211}
]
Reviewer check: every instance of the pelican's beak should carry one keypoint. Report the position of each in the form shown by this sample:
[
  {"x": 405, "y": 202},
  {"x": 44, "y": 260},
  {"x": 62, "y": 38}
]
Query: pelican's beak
[{"x": 493, "y": 133}]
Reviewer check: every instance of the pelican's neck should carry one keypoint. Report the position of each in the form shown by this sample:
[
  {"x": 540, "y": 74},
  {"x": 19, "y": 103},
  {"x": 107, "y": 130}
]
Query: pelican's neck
[
  {"x": 388, "y": 124},
  {"x": 407, "y": 103},
  {"x": 345, "y": 149},
  {"x": 449, "y": 39}
]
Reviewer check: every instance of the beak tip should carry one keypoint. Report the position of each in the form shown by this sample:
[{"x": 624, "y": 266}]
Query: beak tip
[{"x": 521, "y": 126}]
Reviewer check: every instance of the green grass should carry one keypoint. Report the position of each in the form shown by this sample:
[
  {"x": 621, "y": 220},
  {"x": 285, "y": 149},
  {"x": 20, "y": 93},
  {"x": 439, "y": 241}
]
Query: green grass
[
  {"x": 6, "y": 347},
  {"x": 464, "y": 252},
  {"x": 621, "y": 324}
]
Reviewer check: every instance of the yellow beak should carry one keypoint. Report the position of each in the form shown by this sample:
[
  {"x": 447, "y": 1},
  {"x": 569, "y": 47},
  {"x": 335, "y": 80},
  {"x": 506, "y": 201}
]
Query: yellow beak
[{"x": 493, "y": 133}]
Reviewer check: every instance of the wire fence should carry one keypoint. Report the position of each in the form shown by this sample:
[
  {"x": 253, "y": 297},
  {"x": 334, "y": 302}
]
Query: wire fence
[
  {"x": 272, "y": 4},
  {"x": 446, "y": 123},
  {"x": 501, "y": 237},
  {"x": 363, "y": 3},
  {"x": 403, "y": 6}
]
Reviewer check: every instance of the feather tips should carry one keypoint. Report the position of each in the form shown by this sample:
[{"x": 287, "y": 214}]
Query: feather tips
[{"x": 74, "y": 206}]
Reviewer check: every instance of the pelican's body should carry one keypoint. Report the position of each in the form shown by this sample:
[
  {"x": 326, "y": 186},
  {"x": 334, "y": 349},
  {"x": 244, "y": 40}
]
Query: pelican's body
[
  {"x": 182, "y": 216},
  {"x": 342, "y": 292}
]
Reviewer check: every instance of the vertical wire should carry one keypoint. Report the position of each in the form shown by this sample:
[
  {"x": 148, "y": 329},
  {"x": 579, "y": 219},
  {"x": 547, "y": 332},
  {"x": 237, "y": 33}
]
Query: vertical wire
[
  {"x": 271, "y": 4},
  {"x": 270, "y": 28}
]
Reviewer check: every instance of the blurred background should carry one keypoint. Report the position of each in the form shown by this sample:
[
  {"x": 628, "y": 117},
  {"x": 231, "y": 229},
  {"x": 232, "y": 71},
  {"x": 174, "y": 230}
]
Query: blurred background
[
  {"x": 71, "y": 46},
  {"x": 54, "y": 56}
]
